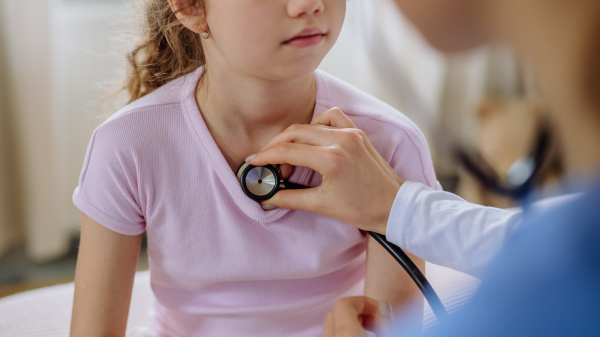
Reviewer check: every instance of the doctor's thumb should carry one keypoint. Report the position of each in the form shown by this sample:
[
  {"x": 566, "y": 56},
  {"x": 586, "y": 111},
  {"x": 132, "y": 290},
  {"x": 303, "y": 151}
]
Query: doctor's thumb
[{"x": 291, "y": 199}]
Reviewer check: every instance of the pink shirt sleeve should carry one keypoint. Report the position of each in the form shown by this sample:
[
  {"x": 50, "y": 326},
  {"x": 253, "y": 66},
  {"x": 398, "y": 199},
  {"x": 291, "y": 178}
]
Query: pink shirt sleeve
[
  {"x": 411, "y": 159},
  {"x": 108, "y": 186}
]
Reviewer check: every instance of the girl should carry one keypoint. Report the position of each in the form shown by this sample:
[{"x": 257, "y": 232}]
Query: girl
[{"x": 212, "y": 83}]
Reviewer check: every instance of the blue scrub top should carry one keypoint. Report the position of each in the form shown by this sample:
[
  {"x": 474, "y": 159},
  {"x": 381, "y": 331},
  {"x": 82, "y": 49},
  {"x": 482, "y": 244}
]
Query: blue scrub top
[{"x": 545, "y": 282}]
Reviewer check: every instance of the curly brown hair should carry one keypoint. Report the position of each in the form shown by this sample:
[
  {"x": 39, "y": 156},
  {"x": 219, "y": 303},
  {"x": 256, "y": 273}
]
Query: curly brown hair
[{"x": 167, "y": 50}]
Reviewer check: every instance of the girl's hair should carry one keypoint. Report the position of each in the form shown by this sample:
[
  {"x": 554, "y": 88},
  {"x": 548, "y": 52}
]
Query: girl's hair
[{"x": 167, "y": 51}]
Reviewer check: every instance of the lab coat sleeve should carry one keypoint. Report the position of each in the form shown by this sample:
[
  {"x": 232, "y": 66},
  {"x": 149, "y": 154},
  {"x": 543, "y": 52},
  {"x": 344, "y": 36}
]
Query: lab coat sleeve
[{"x": 444, "y": 229}]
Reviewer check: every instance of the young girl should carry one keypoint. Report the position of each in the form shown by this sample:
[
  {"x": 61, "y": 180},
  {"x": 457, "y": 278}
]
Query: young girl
[{"x": 213, "y": 82}]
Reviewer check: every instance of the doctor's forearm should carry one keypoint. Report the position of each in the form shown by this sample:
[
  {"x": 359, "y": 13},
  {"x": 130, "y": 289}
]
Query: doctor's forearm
[{"x": 444, "y": 229}]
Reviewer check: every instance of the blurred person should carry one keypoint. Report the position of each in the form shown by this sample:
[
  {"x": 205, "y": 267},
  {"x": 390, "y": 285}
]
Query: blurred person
[
  {"x": 212, "y": 83},
  {"x": 546, "y": 280}
]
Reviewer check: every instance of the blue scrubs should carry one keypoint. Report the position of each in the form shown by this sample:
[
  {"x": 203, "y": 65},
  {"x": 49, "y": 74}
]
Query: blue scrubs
[{"x": 545, "y": 282}]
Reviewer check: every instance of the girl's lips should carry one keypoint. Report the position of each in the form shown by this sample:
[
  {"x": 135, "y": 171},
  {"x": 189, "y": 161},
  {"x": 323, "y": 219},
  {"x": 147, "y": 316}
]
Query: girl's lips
[
  {"x": 305, "y": 41},
  {"x": 306, "y": 38}
]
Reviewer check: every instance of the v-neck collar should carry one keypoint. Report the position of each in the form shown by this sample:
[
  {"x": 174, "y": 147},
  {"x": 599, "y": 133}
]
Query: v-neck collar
[{"x": 251, "y": 208}]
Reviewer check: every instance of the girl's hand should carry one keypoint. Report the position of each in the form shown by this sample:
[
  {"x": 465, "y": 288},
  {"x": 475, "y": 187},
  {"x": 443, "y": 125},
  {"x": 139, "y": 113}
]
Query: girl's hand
[
  {"x": 357, "y": 317},
  {"x": 359, "y": 186}
]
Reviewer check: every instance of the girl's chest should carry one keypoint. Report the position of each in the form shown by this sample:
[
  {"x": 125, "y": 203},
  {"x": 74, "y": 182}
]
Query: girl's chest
[{"x": 198, "y": 231}]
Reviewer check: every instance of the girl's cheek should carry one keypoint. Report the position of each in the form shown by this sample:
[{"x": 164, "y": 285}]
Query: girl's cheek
[{"x": 337, "y": 13}]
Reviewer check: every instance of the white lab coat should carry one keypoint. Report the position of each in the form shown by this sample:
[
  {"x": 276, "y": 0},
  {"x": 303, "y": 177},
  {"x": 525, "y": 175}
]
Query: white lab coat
[{"x": 444, "y": 229}]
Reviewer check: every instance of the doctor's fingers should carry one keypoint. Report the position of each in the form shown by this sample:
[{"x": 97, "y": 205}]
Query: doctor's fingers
[
  {"x": 332, "y": 118},
  {"x": 314, "y": 157},
  {"x": 335, "y": 118},
  {"x": 350, "y": 313},
  {"x": 351, "y": 140},
  {"x": 329, "y": 329},
  {"x": 317, "y": 135},
  {"x": 310, "y": 199}
]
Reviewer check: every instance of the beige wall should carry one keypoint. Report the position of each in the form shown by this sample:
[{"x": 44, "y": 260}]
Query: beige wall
[
  {"x": 10, "y": 229},
  {"x": 56, "y": 54},
  {"x": 25, "y": 26}
]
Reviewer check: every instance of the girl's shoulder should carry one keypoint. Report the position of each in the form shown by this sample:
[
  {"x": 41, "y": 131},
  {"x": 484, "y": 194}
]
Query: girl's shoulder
[
  {"x": 153, "y": 114},
  {"x": 170, "y": 94},
  {"x": 333, "y": 92},
  {"x": 394, "y": 135},
  {"x": 146, "y": 128}
]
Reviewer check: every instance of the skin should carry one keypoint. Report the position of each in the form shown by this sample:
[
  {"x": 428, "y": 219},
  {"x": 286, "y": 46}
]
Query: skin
[
  {"x": 255, "y": 87},
  {"x": 352, "y": 313},
  {"x": 560, "y": 56},
  {"x": 448, "y": 25},
  {"x": 106, "y": 266},
  {"x": 330, "y": 146}
]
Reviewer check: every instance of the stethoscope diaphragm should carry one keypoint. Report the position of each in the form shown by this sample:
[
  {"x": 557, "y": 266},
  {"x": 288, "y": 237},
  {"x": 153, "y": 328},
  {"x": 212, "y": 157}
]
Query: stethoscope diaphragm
[
  {"x": 262, "y": 182},
  {"x": 259, "y": 182}
]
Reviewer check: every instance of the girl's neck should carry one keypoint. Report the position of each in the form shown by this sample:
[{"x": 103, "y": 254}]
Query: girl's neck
[{"x": 243, "y": 112}]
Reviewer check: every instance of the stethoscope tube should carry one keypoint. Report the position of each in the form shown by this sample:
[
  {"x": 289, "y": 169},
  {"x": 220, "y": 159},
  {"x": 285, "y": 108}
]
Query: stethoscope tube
[
  {"x": 262, "y": 182},
  {"x": 539, "y": 157},
  {"x": 415, "y": 274}
]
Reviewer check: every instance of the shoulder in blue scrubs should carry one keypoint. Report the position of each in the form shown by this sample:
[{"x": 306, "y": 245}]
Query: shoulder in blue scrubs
[{"x": 546, "y": 281}]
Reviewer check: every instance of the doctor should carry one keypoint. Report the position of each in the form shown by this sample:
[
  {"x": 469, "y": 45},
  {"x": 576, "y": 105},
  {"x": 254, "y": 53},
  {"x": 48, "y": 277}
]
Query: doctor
[{"x": 545, "y": 279}]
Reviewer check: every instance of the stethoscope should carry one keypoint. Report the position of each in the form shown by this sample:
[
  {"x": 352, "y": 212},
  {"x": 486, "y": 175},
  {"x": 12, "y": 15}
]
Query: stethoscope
[
  {"x": 262, "y": 182},
  {"x": 523, "y": 175}
]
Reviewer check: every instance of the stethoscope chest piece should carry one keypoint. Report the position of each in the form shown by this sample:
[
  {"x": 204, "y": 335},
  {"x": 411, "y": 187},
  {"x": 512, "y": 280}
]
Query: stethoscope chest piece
[
  {"x": 259, "y": 182},
  {"x": 262, "y": 182}
]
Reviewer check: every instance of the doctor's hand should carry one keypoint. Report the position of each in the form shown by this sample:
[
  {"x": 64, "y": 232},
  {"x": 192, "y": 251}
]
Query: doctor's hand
[
  {"x": 359, "y": 186},
  {"x": 357, "y": 317}
]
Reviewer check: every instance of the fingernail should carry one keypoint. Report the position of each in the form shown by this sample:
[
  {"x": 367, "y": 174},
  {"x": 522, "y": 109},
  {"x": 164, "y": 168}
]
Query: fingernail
[
  {"x": 268, "y": 207},
  {"x": 385, "y": 309},
  {"x": 250, "y": 157}
]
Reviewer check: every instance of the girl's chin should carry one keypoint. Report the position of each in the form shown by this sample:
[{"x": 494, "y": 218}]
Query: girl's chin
[
  {"x": 295, "y": 67},
  {"x": 281, "y": 69},
  {"x": 294, "y": 72}
]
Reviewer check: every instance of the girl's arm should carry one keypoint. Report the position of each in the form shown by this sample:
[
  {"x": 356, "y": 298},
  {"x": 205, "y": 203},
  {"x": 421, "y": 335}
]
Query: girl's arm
[
  {"x": 106, "y": 266},
  {"x": 386, "y": 280}
]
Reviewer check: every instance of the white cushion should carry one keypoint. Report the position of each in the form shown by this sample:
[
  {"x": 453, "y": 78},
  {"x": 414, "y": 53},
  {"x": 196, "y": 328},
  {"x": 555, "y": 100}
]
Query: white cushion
[
  {"x": 47, "y": 311},
  {"x": 454, "y": 288}
]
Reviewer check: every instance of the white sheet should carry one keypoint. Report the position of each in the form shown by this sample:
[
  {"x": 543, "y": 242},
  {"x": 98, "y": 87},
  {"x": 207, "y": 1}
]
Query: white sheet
[{"x": 47, "y": 311}]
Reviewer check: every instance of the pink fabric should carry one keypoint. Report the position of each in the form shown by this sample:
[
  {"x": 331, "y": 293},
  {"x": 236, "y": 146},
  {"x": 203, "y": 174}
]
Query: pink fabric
[{"x": 220, "y": 265}]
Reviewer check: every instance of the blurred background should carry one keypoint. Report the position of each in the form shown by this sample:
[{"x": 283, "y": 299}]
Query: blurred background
[{"x": 58, "y": 57}]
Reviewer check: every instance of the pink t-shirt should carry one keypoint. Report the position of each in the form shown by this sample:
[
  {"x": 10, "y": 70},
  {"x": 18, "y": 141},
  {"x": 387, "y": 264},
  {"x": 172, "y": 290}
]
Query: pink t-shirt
[{"x": 219, "y": 264}]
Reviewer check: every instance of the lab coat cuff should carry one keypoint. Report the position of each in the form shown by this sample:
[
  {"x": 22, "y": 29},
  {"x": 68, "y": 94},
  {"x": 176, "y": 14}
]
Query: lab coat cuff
[{"x": 400, "y": 221}]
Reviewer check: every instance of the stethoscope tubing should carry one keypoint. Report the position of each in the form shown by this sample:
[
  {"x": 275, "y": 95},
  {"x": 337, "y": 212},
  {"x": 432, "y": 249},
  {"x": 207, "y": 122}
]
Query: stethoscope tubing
[
  {"x": 415, "y": 274},
  {"x": 397, "y": 253}
]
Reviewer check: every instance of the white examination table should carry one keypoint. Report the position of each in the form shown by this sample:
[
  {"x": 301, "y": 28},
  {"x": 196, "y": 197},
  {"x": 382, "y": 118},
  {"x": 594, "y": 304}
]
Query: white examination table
[{"x": 47, "y": 311}]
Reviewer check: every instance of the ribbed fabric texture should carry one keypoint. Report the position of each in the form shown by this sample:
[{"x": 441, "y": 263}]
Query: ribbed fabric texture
[{"x": 220, "y": 265}]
